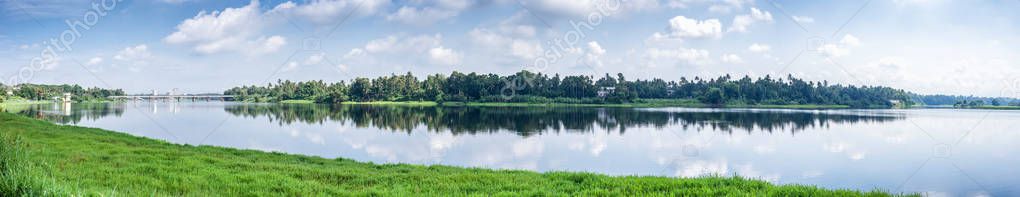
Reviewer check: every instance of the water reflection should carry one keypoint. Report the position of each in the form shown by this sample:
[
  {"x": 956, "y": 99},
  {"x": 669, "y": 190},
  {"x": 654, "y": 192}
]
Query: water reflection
[
  {"x": 526, "y": 121},
  {"x": 523, "y": 121},
  {"x": 66, "y": 113}
]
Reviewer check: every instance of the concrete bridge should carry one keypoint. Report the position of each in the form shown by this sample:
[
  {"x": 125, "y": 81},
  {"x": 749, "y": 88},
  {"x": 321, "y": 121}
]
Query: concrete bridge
[{"x": 175, "y": 97}]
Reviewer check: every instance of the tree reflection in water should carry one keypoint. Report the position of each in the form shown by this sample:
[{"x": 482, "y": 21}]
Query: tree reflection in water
[
  {"x": 526, "y": 121},
  {"x": 58, "y": 114}
]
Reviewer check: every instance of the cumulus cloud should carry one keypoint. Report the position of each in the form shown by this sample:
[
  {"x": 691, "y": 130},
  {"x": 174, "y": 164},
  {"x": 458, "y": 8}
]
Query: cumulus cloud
[
  {"x": 444, "y": 56},
  {"x": 715, "y": 6},
  {"x": 840, "y": 49},
  {"x": 593, "y": 55},
  {"x": 522, "y": 47},
  {"x": 681, "y": 55},
  {"x": 420, "y": 16},
  {"x": 290, "y": 66},
  {"x": 399, "y": 46},
  {"x": 429, "y": 14},
  {"x": 731, "y": 59},
  {"x": 329, "y": 11},
  {"x": 230, "y": 30},
  {"x": 315, "y": 59},
  {"x": 759, "y": 48},
  {"x": 741, "y": 22},
  {"x": 681, "y": 27},
  {"x": 803, "y": 19},
  {"x": 584, "y": 8},
  {"x": 850, "y": 40},
  {"x": 174, "y": 1},
  {"x": 135, "y": 53},
  {"x": 94, "y": 61}
]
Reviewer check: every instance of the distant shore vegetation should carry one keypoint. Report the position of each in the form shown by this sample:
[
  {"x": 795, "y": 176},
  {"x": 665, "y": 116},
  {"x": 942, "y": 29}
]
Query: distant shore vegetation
[
  {"x": 528, "y": 87},
  {"x": 32, "y": 93}
]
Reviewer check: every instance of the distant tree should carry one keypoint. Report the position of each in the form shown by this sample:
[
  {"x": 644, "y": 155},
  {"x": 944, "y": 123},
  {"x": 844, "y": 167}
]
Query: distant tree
[
  {"x": 360, "y": 89},
  {"x": 713, "y": 96}
]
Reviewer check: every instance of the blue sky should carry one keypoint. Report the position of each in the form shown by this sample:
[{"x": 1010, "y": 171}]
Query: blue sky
[{"x": 926, "y": 46}]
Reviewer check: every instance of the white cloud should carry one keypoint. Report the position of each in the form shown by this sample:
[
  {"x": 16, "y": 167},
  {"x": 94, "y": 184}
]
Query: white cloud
[
  {"x": 850, "y": 40},
  {"x": 759, "y": 48},
  {"x": 174, "y": 1},
  {"x": 397, "y": 43},
  {"x": 595, "y": 48},
  {"x": 732, "y": 59},
  {"x": 397, "y": 47},
  {"x": 840, "y": 49},
  {"x": 833, "y": 50},
  {"x": 94, "y": 61},
  {"x": 430, "y": 14},
  {"x": 511, "y": 41},
  {"x": 584, "y": 8},
  {"x": 420, "y": 16},
  {"x": 741, "y": 22},
  {"x": 525, "y": 49},
  {"x": 230, "y": 30},
  {"x": 315, "y": 59},
  {"x": 269, "y": 45},
  {"x": 715, "y": 6},
  {"x": 290, "y": 66},
  {"x": 329, "y": 11},
  {"x": 803, "y": 19},
  {"x": 593, "y": 56},
  {"x": 444, "y": 56},
  {"x": 135, "y": 53},
  {"x": 685, "y": 55},
  {"x": 681, "y": 27}
]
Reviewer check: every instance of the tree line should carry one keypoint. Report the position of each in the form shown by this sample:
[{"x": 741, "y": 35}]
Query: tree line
[
  {"x": 48, "y": 92},
  {"x": 968, "y": 101},
  {"x": 531, "y": 87}
]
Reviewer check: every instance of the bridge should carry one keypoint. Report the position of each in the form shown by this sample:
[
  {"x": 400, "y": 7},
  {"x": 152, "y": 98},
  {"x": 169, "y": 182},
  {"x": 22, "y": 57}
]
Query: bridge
[{"x": 174, "y": 97}]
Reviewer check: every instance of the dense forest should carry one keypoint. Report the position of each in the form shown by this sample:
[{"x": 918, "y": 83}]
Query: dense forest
[
  {"x": 530, "y": 87},
  {"x": 48, "y": 92}
]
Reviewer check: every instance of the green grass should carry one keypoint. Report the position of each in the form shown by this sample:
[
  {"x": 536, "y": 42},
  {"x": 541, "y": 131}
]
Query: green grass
[
  {"x": 791, "y": 106},
  {"x": 401, "y": 103},
  {"x": 23, "y": 102},
  {"x": 297, "y": 102},
  {"x": 999, "y": 107},
  {"x": 39, "y": 158}
]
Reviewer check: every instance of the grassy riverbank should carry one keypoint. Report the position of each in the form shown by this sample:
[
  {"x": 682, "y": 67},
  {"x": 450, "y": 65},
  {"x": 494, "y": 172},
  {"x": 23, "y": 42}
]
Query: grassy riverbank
[
  {"x": 40, "y": 158},
  {"x": 999, "y": 107},
  {"x": 23, "y": 102}
]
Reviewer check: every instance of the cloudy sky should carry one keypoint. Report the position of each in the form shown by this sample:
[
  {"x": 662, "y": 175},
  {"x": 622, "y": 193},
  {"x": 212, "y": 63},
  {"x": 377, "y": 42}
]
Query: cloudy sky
[{"x": 926, "y": 46}]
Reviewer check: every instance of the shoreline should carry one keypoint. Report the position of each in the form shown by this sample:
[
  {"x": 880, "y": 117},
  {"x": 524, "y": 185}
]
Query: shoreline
[
  {"x": 640, "y": 104},
  {"x": 42, "y": 158}
]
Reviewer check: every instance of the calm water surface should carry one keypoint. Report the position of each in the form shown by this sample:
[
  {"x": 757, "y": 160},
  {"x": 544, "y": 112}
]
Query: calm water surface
[{"x": 937, "y": 151}]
